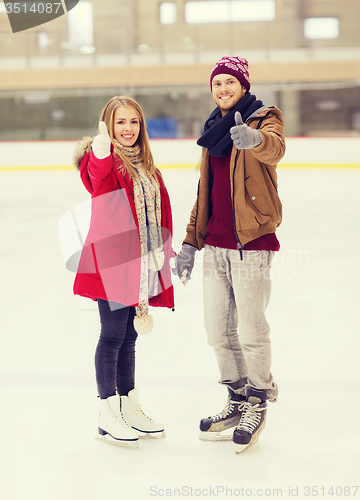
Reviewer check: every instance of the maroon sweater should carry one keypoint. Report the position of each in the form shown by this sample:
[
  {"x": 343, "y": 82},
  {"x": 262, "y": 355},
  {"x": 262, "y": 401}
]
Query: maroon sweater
[{"x": 220, "y": 228}]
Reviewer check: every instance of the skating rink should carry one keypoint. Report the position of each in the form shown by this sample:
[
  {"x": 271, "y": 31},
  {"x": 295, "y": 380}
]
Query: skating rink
[{"x": 310, "y": 446}]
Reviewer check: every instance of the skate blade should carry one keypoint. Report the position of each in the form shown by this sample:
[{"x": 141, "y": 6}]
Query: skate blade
[
  {"x": 240, "y": 448},
  {"x": 152, "y": 435},
  {"x": 117, "y": 442},
  {"x": 214, "y": 436}
]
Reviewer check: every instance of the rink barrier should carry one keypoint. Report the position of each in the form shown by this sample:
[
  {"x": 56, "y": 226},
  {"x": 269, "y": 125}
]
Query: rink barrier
[
  {"x": 187, "y": 166},
  {"x": 319, "y": 165},
  {"x": 301, "y": 152}
]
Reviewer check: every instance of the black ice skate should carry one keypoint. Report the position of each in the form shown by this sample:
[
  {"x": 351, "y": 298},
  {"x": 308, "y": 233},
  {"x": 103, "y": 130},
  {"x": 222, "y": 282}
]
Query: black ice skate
[
  {"x": 252, "y": 423},
  {"x": 214, "y": 428}
]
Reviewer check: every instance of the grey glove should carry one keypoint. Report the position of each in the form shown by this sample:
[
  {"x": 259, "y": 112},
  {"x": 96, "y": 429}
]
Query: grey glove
[
  {"x": 184, "y": 262},
  {"x": 243, "y": 136}
]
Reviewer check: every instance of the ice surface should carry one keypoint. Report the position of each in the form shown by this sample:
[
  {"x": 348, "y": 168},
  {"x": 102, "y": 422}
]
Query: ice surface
[{"x": 48, "y": 337}]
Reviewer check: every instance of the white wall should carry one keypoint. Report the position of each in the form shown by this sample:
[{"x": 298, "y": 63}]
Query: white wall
[{"x": 307, "y": 151}]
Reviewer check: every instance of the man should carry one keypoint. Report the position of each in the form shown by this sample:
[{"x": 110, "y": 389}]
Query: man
[{"x": 235, "y": 217}]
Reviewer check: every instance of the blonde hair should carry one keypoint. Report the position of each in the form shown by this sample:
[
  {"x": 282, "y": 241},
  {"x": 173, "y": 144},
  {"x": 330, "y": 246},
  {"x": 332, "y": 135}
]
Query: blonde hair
[{"x": 145, "y": 157}]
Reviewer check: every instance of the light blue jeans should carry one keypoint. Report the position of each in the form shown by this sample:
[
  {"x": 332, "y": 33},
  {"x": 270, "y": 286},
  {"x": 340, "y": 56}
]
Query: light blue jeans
[{"x": 236, "y": 295}]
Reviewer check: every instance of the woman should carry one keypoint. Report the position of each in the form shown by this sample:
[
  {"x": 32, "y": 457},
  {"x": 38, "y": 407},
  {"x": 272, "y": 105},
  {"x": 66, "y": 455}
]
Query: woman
[{"x": 124, "y": 264}]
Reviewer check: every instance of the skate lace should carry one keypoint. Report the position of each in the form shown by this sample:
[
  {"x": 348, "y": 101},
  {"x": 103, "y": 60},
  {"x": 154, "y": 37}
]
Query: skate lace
[
  {"x": 250, "y": 417},
  {"x": 119, "y": 418},
  {"x": 141, "y": 414},
  {"x": 229, "y": 408}
]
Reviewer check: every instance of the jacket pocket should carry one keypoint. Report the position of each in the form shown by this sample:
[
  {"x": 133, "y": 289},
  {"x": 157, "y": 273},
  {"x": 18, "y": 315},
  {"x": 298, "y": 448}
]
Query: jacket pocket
[
  {"x": 257, "y": 202},
  {"x": 108, "y": 261},
  {"x": 119, "y": 252}
]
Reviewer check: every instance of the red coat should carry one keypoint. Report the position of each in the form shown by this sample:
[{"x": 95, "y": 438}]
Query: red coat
[{"x": 110, "y": 261}]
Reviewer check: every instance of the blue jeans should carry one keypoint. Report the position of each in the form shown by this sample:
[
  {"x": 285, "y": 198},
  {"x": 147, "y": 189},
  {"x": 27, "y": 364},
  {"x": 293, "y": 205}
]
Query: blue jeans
[
  {"x": 236, "y": 294},
  {"x": 115, "y": 352}
]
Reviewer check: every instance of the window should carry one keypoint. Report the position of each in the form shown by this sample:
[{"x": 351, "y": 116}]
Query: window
[
  {"x": 321, "y": 28},
  {"x": 80, "y": 22},
  {"x": 260, "y": 10},
  {"x": 168, "y": 13},
  {"x": 222, "y": 11}
]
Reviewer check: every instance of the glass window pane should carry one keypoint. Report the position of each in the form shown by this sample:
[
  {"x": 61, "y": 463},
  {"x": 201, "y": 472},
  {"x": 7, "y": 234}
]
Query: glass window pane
[
  {"x": 223, "y": 11},
  {"x": 216, "y": 11},
  {"x": 168, "y": 13},
  {"x": 321, "y": 27},
  {"x": 248, "y": 10},
  {"x": 80, "y": 22}
]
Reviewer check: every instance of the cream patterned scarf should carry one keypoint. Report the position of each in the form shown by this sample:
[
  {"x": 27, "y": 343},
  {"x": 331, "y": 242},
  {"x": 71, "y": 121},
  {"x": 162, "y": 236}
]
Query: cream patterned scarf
[{"x": 147, "y": 200}]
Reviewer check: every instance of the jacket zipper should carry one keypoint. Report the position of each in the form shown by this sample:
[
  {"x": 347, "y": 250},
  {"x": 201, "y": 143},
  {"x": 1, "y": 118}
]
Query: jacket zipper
[{"x": 239, "y": 245}]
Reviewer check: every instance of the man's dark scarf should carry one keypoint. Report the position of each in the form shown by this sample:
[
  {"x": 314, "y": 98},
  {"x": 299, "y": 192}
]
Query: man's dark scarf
[{"x": 216, "y": 134}]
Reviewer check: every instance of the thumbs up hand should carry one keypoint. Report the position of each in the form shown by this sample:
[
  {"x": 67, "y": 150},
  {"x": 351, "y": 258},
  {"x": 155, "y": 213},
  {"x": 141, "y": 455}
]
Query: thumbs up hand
[
  {"x": 238, "y": 118},
  {"x": 243, "y": 136},
  {"x": 101, "y": 143}
]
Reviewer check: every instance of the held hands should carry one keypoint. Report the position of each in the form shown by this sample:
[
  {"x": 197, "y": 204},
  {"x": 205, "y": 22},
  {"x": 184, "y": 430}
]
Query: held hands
[
  {"x": 184, "y": 263},
  {"x": 101, "y": 143},
  {"x": 243, "y": 136}
]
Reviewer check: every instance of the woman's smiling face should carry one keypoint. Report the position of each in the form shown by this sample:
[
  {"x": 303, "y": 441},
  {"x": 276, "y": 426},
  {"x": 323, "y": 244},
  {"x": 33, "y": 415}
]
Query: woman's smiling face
[{"x": 126, "y": 125}]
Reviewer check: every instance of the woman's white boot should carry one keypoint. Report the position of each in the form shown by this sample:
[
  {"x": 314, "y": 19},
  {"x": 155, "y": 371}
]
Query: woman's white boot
[
  {"x": 113, "y": 429},
  {"x": 137, "y": 419}
]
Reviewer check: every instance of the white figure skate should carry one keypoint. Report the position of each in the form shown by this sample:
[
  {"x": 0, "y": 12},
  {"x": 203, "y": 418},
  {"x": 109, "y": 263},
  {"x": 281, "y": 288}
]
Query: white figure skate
[
  {"x": 113, "y": 429},
  {"x": 137, "y": 419}
]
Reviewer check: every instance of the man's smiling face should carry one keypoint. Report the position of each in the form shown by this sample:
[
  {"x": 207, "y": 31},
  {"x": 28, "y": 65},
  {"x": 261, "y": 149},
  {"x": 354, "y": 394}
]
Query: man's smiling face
[{"x": 227, "y": 91}]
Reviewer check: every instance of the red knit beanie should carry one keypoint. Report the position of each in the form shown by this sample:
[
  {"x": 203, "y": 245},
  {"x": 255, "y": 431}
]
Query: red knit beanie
[{"x": 234, "y": 66}]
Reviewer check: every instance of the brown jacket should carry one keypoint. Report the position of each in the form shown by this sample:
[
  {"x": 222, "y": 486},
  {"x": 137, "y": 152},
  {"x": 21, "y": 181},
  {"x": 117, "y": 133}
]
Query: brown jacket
[{"x": 257, "y": 208}]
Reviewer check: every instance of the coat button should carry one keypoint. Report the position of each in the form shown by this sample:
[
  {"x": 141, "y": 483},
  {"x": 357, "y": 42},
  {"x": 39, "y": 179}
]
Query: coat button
[{"x": 253, "y": 197}]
